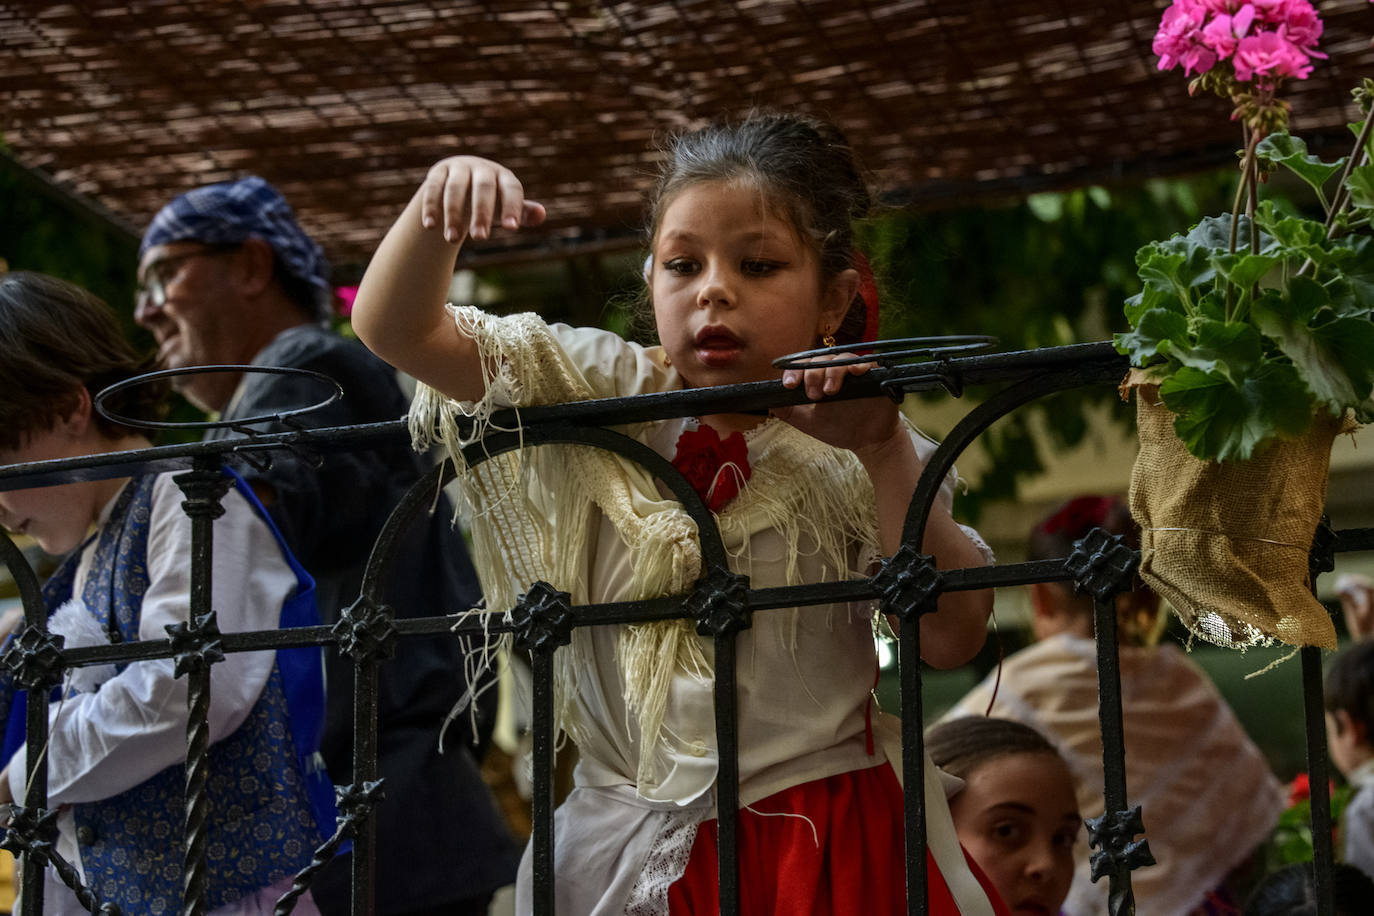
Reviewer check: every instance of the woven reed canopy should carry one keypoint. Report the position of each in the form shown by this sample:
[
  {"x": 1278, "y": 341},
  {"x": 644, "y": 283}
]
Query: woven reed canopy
[{"x": 344, "y": 104}]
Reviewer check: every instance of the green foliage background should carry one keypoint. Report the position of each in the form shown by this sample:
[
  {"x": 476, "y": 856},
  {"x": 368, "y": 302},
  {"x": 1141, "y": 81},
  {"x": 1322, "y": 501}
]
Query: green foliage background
[
  {"x": 1048, "y": 270},
  {"x": 42, "y": 231}
]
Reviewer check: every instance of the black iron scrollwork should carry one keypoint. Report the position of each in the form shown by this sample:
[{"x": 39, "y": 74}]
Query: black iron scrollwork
[
  {"x": 907, "y": 583},
  {"x": 34, "y": 657},
  {"x": 34, "y": 831},
  {"x": 543, "y": 618},
  {"x": 1102, "y": 564},
  {"x": 365, "y": 630},
  {"x": 196, "y": 644},
  {"x": 719, "y": 603},
  {"x": 1113, "y": 836},
  {"x": 356, "y": 802}
]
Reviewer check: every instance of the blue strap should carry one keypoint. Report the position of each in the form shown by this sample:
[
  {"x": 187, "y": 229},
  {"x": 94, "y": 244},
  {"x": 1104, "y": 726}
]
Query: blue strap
[
  {"x": 302, "y": 674},
  {"x": 15, "y": 726},
  {"x": 56, "y": 590}
]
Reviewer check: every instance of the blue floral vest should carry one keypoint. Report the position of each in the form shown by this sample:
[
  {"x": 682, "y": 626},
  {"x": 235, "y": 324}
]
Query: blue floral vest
[{"x": 271, "y": 804}]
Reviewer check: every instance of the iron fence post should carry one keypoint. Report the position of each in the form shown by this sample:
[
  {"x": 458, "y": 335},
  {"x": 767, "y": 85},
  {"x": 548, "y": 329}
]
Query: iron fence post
[
  {"x": 720, "y": 607},
  {"x": 204, "y": 487},
  {"x": 544, "y": 620},
  {"x": 1318, "y": 774}
]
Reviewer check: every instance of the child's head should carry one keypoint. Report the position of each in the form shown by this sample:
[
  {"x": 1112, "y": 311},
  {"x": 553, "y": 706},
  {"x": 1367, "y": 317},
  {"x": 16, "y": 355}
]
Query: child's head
[
  {"x": 1292, "y": 891},
  {"x": 1017, "y": 814},
  {"x": 56, "y": 339},
  {"x": 1056, "y": 606},
  {"x": 749, "y": 217},
  {"x": 59, "y": 345},
  {"x": 1350, "y": 707}
]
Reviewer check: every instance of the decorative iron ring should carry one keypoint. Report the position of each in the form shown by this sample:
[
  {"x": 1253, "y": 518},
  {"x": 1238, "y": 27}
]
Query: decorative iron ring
[
  {"x": 235, "y": 423},
  {"x": 890, "y": 352}
]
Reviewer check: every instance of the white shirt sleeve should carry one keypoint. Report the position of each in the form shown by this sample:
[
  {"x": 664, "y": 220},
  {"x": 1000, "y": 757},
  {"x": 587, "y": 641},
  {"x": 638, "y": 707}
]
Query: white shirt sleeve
[
  {"x": 134, "y": 725},
  {"x": 1358, "y": 828}
]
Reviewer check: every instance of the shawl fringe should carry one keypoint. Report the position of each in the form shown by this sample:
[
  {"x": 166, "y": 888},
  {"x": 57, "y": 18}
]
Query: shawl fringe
[{"x": 532, "y": 516}]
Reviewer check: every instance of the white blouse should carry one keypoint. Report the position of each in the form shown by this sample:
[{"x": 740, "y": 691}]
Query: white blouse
[{"x": 804, "y": 675}]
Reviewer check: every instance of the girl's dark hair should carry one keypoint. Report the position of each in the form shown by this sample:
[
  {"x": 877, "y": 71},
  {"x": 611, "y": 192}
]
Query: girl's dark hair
[
  {"x": 1292, "y": 891},
  {"x": 962, "y": 745},
  {"x": 803, "y": 165},
  {"x": 55, "y": 339},
  {"x": 1139, "y": 621},
  {"x": 1350, "y": 685}
]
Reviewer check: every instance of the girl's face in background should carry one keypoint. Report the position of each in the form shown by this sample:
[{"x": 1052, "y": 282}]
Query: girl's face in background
[
  {"x": 735, "y": 286},
  {"x": 1018, "y": 818}
]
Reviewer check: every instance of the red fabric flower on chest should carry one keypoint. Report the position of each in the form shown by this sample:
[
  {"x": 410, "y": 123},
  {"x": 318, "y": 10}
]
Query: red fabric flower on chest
[{"x": 715, "y": 467}]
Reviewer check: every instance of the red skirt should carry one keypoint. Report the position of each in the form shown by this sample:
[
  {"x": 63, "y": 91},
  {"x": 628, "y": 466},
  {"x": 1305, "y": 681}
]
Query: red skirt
[{"x": 853, "y": 862}]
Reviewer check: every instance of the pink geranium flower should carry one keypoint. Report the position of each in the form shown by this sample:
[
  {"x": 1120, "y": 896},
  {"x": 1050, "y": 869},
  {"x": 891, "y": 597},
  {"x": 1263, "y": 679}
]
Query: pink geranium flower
[
  {"x": 1279, "y": 37},
  {"x": 1224, "y": 32},
  {"x": 1301, "y": 24},
  {"x": 1179, "y": 39},
  {"x": 1270, "y": 56},
  {"x": 345, "y": 296},
  {"x": 1272, "y": 11}
]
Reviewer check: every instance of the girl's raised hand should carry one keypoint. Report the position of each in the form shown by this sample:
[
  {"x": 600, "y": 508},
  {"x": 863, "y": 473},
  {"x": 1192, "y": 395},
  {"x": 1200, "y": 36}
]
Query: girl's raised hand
[
  {"x": 855, "y": 425},
  {"x": 466, "y": 195}
]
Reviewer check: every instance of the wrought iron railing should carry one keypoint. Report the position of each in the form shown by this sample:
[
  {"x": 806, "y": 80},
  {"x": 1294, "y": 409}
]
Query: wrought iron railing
[{"x": 906, "y": 587}]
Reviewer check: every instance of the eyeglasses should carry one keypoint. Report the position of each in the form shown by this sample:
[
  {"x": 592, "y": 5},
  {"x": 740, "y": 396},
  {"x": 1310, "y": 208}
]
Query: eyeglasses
[{"x": 163, "y": 271}]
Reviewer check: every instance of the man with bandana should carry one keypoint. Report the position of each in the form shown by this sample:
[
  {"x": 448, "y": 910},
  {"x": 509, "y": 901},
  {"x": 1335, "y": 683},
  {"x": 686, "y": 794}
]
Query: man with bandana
[{"x": 228, "y": 277}]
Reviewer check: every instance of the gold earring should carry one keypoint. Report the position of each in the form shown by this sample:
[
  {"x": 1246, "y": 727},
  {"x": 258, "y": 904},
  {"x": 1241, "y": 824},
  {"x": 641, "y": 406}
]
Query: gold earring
[
  {"x": 828, "y": 339},
  {"x": 666, "y": 361}
]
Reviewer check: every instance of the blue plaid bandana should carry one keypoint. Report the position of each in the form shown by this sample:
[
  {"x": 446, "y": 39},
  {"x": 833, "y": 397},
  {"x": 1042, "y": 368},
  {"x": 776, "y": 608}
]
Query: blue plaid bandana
[{"x": 235, "y": 211}]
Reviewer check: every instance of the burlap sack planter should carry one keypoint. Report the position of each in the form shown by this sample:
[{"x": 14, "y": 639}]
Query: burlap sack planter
[{"x": 1226, "y": 543}]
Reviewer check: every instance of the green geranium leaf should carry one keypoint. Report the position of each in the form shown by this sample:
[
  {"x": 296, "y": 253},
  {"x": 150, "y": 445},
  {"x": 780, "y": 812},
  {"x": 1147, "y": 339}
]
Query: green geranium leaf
[
  {"x": 1335, "y": 357},
  {"x": 1291, "y": 152},
  {"x": 1364, "y": 411},
  {"x": 1213, "y": 306},
  {"x": 1268, "y": 213},
  {"x": 1229, "y": 348},
  {"x": 1151, "y": 297},
  {"x": 1341, "y": 371},
  {"x": 1299, "y": 815},
  {"x": 1226, "y": 422},
  {"x": 1155, "y": 334},
  {"x": 1177, "y": 264},
  {"x": 1342, "y": 293},
  {"x": 1300, "y": 237},
  {"x": 1297, "y": 847},
  {"x": 1157, "y": 264},
  {"x": 1215, "y": 231},
  {"x": 1354, "y": 257},
  {"x": 1360, "y": 184},
  {"x": 1299, "y": 307},
  {"x": 1244, "y": 269}
]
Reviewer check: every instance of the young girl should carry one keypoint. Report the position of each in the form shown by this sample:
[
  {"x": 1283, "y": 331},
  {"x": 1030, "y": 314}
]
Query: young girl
[
  {"x": 117, "y": 742},
  {"x": 1185, "y": 748},
  {"x": 751, "y": 258},
  {"x": 1016, "y": 814}
]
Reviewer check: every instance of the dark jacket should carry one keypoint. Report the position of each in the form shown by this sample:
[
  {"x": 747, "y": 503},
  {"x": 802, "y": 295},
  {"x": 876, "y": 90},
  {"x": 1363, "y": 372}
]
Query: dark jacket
[{"x": 440, "y": 836}]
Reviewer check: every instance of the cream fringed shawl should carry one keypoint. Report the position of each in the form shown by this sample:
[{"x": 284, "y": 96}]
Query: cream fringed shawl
[{"x": 534, "y": 509}]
